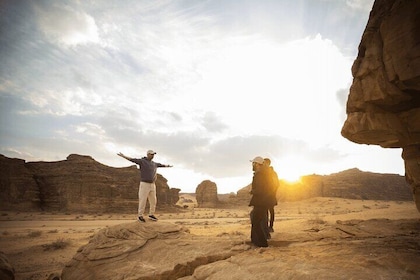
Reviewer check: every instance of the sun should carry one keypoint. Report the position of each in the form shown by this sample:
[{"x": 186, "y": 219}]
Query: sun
[
  {"x": 291, "y": 178},
  {"x": 290, "y": 168}
]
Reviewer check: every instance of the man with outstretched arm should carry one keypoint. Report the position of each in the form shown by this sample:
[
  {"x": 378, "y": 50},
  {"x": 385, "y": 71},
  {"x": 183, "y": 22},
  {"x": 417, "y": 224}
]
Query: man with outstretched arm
[{"x": 147, "y": 188}]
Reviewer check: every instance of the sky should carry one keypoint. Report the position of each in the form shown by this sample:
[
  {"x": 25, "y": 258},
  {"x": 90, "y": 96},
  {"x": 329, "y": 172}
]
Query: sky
[{"x": 207, "y": 84}]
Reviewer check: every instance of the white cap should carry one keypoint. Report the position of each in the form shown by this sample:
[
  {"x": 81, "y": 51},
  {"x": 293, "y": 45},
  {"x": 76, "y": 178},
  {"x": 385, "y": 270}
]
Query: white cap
[
  {"x": 151, "y": 152},
  {"x": 258, "y": 160}
]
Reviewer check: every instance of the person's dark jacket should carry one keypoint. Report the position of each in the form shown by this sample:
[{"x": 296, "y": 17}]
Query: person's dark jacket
[
  {"x": 261, "y": 193},
  {"x": 273, "y": 186}
]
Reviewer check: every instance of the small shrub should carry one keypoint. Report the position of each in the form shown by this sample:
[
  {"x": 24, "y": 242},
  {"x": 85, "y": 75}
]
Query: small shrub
[
  {"x": 317, "y": 220},
  {"x": 60, "y": 243},
  {"x": 35, "y": 233}
]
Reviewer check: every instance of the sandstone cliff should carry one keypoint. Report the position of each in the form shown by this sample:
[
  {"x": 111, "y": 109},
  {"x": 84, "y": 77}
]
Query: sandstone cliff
[
  {"x": 383, "y": 106},
  {"x": 77, "y": 184}
]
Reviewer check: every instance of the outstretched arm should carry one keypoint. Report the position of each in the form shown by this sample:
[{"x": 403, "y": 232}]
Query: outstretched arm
[{"x": 124, "y": 156}]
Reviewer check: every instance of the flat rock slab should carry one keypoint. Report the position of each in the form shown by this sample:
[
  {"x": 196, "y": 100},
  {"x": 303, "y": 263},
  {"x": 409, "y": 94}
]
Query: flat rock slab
[
  {"x": 353, "y": 249},
  {"x": 344, "y": 249},
  {"x": 151, "y": 250}
]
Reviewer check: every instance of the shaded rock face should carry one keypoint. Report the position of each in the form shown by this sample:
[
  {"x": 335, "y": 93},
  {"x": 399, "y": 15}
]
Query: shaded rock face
[
  {"x": 383, "y": 106},
  {"x": 18, "y": 189},
  {"x": 244, "y": 195},
  {"x": 77, "y": 184},
  {"x": 146, "y": 251},
  {"x": 6, "y": 270},
  {"x": 206, "y": 194}
]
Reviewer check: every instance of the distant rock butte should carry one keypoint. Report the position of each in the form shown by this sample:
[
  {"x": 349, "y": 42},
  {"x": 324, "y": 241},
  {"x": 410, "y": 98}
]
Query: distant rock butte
[
  {"x": 77, "y": 184},
  {"x": 383, "y": 106},
  {"x": 206, "y": 194}
]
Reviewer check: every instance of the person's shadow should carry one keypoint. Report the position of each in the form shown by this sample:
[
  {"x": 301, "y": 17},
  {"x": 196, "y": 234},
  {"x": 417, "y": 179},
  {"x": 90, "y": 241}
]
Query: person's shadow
[{"x": 279, "y": 243}]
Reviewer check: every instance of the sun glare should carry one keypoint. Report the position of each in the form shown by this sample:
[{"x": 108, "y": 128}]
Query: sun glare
[
  {"x": 290, "y": 168},
  {"x": 292, "y": 178}
]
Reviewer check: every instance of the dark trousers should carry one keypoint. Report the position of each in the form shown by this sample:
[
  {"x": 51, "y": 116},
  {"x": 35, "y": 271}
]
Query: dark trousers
[
  {"x": 259, "y": 230},
  {"x": 271, "y": 210}
]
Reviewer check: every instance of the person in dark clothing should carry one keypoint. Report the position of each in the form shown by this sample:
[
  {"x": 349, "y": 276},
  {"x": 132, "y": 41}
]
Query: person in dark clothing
[
  {"x": 273, "y": 192},
  {"x": 260, "y": 202},
  {"x": 147, "y": 187}
]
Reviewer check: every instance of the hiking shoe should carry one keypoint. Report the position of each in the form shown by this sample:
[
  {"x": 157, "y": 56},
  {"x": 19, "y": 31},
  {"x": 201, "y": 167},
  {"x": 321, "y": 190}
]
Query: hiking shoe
[
  {"x": 270, "y": 229},
  {"x": 153, "y": 218},
  {"x": 141, "y": 219}
]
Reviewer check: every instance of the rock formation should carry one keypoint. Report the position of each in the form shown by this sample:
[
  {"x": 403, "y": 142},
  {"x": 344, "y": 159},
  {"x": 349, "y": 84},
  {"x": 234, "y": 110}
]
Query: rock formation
[
  {"x": 7, "y": 272},
  {"x": 147, "y": 251},
  {"x": 351, "y": 184},
  {"x": 350, "y": 249},
  {"x": 18, "y": 189},
  {"x": 77, "y": 184},
  {"x": 383, "y": 106},
  {"x": 206, "y": 194}
]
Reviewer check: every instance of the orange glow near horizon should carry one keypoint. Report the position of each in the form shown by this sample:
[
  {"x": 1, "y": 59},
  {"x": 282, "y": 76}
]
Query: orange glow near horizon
[
  {"x": 290, "y": 177},
  {"x": 290, "y": 169}
]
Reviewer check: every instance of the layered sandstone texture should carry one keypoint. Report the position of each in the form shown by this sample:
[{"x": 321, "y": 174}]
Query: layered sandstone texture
[
  {"x": 383, "y": 106},
  {"x": 307, "y": 249},
  {"x": 7, "y": 272},
  {"x": 147, "y": 251},
  {"x": 77, "y": 184}
]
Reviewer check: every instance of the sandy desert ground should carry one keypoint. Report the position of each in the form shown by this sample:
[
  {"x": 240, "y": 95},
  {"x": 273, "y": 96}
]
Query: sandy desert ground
[{"x": 38, "y": 245}]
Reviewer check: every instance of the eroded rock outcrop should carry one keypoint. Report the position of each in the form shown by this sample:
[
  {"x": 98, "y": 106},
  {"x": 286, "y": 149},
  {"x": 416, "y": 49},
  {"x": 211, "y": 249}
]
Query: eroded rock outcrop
[
  {"x": 383, "y": 106},
  {"x": 7, "y": 272},
  {"x": 77, "y": 184},
  {"x": 206, "y": 194},
  {"x": 147, "y": 251},
  {"x": 18, "y": 189}
]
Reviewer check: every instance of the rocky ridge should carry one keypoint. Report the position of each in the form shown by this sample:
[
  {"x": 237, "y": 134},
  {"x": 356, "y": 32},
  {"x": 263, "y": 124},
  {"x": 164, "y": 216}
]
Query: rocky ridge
[
  {"x": 350, "y": 184},
  {"x": 77, "y": 184}
]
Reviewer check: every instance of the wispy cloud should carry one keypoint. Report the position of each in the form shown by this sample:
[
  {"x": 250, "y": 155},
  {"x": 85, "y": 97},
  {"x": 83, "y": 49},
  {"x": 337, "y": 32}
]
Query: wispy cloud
[{"x": 208, "y": 84}]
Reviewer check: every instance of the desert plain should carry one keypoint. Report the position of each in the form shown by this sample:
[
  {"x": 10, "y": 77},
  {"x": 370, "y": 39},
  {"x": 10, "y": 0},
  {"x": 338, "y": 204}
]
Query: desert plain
[{"x": 317, "y": 238}]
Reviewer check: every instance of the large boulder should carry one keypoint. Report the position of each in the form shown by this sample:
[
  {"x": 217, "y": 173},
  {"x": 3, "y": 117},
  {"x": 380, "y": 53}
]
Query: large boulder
[
  {"x": 152, "y": 250},
  {"x": 206, "y": 194},
  {"x": 383, "y": 106}
]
